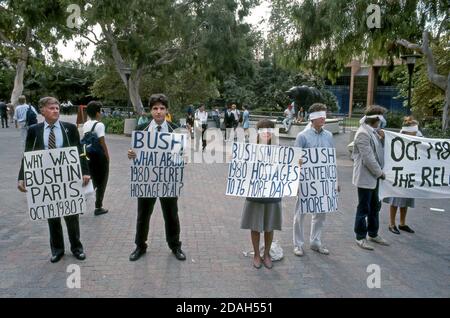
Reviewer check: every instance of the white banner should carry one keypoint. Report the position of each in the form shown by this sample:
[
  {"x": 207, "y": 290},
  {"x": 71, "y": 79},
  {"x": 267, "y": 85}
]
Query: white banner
[
  {"x": 54, "y": 182},
  {"x": 158, "y": 169},
  {"x": 263, "y": 171},
  {"x": 318, "y": 192},
  {"x": 415, "y": 167}
]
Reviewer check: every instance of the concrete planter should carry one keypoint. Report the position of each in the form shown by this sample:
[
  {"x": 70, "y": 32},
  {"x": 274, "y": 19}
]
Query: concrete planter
[{"x": 129, "y": 126}]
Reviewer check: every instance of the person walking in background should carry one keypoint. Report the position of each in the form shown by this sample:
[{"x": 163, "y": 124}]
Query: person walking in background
[
  {"x": 216, "y": 117},
  {"x": 229, "y": 122},
  {"x": 202, "y": 116},
  {"x": 20, "y": 116},
  {"x": 246, "y": 122},
  {"x": 11, "y": 112},
  {"x": 99, "y": 158},
  {"x": 409, "y": 127},
  {"x": 190, "y": 121},
  {"x": 237, "y": 116},
  {"x": 4, "y": 114},
  {"x": 368, "y": 162}
]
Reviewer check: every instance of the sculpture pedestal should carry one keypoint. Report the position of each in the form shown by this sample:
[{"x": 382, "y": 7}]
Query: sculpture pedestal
[{"x": 129, "y": 126}]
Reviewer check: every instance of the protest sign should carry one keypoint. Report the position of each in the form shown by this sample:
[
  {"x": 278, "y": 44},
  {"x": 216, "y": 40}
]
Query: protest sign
[
  {"x": 318, "y": 181},
  {"x": 158, "y": 169},
  {"x": 263, "y": 171},
  {"x": 415, "y": 167},
  {"x": 54, "y": 181}
]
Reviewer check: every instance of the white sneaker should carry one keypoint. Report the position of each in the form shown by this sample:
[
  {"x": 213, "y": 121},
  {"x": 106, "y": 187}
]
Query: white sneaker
[
  {"x": 378, "y": 240},
  {"x": 298, "y": 251},
  {"x": 320, "y": 249},
  {"x": 363, "y": 244}
]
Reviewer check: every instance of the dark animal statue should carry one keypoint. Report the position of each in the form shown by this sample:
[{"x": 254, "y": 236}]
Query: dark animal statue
[{"x": 305, "y": 96}]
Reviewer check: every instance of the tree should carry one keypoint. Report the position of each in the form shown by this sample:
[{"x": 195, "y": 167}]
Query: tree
[
  {"x": 147, "y": 36},
  {"x": 440, "y": 81},
  {"x": 28, "y": 28},
  {"x": 329, "y": 34}
]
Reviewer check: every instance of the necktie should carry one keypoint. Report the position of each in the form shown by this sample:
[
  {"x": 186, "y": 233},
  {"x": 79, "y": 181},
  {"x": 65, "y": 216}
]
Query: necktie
[
  {"x": 158, "y": 128},
  {"x": 51, "y": 138}
]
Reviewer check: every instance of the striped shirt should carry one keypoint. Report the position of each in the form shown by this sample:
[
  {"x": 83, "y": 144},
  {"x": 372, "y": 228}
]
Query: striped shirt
[
  {"x": 20, "y": 114},
  {"x": 58, "y": 134}
]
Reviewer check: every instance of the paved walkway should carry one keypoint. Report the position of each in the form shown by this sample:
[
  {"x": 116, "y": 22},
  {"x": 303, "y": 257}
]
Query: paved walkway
[{"x": 415, "y": 265}]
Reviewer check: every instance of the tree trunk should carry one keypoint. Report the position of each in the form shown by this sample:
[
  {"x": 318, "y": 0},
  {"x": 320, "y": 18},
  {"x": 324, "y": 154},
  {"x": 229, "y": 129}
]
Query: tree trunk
[
  {"x": 134, "y": 81},
  {"x": 433, "y": 76},
  {"x": 133, "y": 90},
  {"x": 21, "y": 66},
  {"x": 20, "y": 73}
]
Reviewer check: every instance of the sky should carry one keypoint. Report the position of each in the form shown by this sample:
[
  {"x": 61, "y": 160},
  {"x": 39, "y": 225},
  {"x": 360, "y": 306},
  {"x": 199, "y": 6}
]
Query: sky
[{"x": 261, "y": 12}]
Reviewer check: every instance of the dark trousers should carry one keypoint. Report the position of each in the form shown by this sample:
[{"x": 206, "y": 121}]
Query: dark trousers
[
  {"x": 369, "y": 207},
  {"x": 4, "y": 121},
  {"x": 204, "y": 127},
  {"x": 57, "y": 238},
  {"x": 169, "y": 208},
  {"x": 99, "y": 169}
]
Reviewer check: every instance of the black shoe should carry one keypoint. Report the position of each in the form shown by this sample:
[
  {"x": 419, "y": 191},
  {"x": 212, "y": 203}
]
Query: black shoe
[
  {"x": 405, "y": 228},
  {"x": 80, "y": 256},
  {"x": 394, "y": 229},
  {"x": 179, "y": 254},
  {"x": 56, "y": 258},
  {"x": 100, "y": 211},
  {"x": 137, "y": 253}
]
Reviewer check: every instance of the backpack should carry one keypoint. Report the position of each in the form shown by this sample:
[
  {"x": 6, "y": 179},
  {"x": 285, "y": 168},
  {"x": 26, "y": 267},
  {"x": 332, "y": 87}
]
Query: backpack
[
  {"x": 31, "y": 117},
  {"x": 91, "y": 142}
]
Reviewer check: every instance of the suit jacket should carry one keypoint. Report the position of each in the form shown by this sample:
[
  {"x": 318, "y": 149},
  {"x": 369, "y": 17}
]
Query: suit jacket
[
  {"x": 170, "y": 125},
  {"x": 71, "y": 138},
  {"x": 367, "y": 164},
  {"x": 229, "y": 119}
]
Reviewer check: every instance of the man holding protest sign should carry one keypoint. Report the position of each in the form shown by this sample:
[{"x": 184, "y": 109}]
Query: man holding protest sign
[
  {"x": 368, "y": 162},
  {"x": 53, "y": 134},
  {"x": 159, "y": 105},
  {"x": 313, "y": 136}
]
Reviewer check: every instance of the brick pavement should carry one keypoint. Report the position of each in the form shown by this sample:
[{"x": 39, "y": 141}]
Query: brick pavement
[{"x": 414, "y": 265}]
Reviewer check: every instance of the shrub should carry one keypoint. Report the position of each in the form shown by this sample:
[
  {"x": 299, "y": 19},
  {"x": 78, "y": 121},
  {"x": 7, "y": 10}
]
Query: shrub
[
  {"x": 113, "y": 125},
  {"x": 434, "y": 130}
]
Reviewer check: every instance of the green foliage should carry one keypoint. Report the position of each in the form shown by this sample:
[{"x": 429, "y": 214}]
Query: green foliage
[
  {"x": 326, "y": 35},
  {"x": 427, "y": 99},
  {"x": 394, "y": 120},
  {"x": 6, "y": 80},
  {"x": 434, "y": 130},
  {"x": 113, "y": 125},
  {"x": 65, "y": 80}
]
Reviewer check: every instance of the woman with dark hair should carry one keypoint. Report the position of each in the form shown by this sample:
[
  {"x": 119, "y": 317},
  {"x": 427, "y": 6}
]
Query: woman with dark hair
[{"x": 262, "y": 214}]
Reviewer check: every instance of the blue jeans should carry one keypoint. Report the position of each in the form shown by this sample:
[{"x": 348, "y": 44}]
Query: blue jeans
[{"x": 369, "y": 206}]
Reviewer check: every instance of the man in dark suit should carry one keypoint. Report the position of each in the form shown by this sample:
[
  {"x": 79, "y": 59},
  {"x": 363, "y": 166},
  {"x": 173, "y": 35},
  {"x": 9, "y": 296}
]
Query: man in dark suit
[
  {"x": 51, "y": 134},
  {"x": 159, "y": 105},
  {"x": 229, "y": 120},
  {"x": 4, "y": 114}
]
